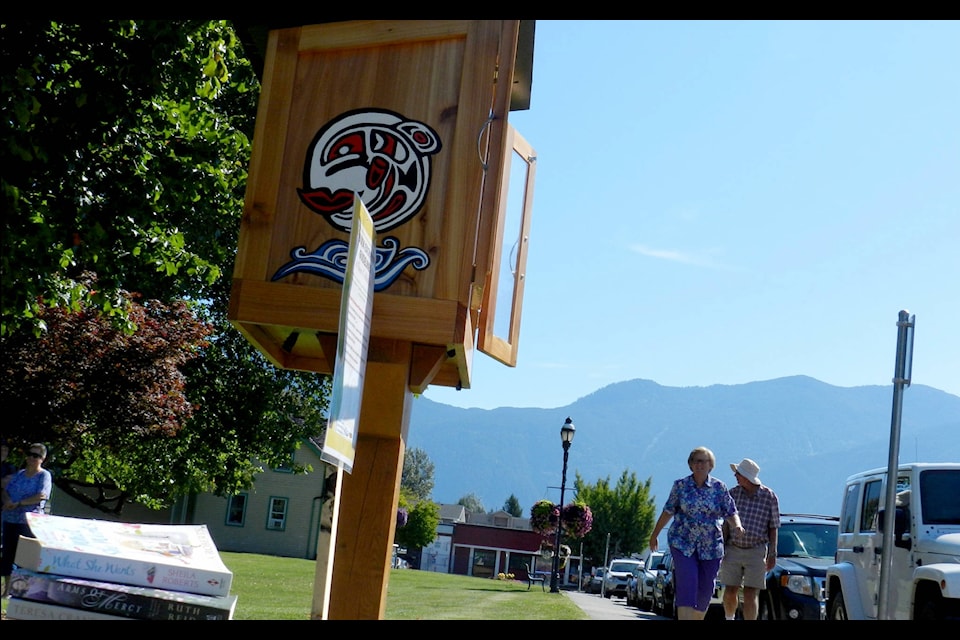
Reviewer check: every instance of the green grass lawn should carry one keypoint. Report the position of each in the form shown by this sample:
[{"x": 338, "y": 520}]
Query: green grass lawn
[
  {"x": 271, "y": 588},
  {"x": 274, "y": 588}
]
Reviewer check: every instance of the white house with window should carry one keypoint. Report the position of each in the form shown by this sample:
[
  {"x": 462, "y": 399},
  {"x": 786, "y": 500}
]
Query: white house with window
[{"x": 280, "y": 515}]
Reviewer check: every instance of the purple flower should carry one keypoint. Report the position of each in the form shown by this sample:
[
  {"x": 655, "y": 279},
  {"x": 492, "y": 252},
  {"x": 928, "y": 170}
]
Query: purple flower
[
  {"x": 577, "y": 520},
  {"x": 543, "y": 517}
]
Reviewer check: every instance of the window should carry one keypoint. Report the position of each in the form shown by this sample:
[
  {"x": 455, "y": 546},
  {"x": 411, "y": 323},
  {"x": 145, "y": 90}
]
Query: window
[
  {"x": 237, "y": 510},
  {"x": 871, "y": 506},
  {"x": 519, "y": 561},
  {"x": 277, "y": 516},
  {"x": 502, "y": 297},
  {"x": 287, "y": 467},
  {"x": 939, "y": 488},
  {"x": 848, "y": 515},
  {"x": 483, "y": 563}
]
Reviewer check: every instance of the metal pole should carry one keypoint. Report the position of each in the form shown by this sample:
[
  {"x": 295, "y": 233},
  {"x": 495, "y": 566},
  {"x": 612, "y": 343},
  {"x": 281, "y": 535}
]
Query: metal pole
[
  {"x": 606, "y": 559},
  {"x": 554, "y": 579},
  {"x": 901, "y": 378},
  {"x": 580, "y": 569}
]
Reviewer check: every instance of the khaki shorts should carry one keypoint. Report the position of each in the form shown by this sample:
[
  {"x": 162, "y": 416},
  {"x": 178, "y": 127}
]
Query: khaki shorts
[{"x": 744, "y": 567}]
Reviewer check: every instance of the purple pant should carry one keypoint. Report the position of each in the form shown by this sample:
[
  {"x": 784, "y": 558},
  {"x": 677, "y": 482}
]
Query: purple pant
[{"x": 694, "y": 580}]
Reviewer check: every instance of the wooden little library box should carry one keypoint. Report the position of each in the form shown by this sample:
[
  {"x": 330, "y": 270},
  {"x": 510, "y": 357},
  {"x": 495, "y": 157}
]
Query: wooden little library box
[{"x": 412, "y": 116}]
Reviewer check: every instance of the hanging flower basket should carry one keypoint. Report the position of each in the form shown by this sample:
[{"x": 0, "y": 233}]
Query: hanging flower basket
[
  {"x": 402, "y": 517},
  {"x": 543, "y": 517},
  {"x": 577, "y": 520}
]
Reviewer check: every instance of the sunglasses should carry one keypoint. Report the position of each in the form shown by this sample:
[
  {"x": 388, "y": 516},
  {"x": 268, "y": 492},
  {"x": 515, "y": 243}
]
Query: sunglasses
[{"x": 34, "y": 454}]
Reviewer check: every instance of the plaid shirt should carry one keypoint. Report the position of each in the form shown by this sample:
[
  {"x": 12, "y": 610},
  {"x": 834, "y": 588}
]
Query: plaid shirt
[{"x": 759, "y": 513}]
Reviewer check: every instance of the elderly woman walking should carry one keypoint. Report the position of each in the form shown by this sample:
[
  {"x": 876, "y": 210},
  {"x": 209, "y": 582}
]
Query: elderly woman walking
[{"x": 698, "y": 504}]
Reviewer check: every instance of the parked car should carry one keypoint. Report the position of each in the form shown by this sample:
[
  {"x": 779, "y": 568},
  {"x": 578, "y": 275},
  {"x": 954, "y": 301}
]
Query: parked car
[
  {"x": 806, "y": 545},
  {"x": 652, "y": 561},
  {"x": 663, "y": 586},
  {"x": 634, "y": 584},
  {"x": 595, "y": 584},
  {"x": 923, "y": 559},
  {"x": 616, "y": 576}
]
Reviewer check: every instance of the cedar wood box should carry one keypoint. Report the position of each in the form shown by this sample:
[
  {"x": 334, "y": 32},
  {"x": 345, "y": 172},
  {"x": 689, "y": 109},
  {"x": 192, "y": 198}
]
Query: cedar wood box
[{"x": 453, "y": 76}]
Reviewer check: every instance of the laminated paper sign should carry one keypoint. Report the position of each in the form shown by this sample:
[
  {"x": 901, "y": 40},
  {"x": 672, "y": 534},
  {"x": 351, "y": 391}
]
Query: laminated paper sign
[{"x": 353, "y": 339}]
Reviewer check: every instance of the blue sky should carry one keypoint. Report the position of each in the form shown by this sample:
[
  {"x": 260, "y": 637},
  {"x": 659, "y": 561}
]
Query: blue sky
[{"x": 721, "y": 202}]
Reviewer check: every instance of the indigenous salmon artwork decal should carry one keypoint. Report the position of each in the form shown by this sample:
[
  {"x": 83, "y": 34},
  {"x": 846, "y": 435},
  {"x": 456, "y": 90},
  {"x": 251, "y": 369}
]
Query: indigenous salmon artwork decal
[{"x": 385, "y": 159}]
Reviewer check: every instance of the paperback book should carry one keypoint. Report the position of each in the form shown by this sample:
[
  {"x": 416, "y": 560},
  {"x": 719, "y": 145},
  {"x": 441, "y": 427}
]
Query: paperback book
[
  {"x": 113, "y": 598},
  {"x": 175, "y": 557},
  {"x": 18, "y": 609}
]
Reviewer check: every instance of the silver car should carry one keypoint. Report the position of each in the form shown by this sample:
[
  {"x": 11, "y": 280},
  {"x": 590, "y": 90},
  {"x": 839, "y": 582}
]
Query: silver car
[
  {"x": 595, "y": 584},
  {"x": 617, "y": 575},
  {"x": 652, "y": 561}
]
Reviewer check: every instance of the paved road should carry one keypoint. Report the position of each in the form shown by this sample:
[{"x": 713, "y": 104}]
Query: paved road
[{"x": 600, "y": 608}]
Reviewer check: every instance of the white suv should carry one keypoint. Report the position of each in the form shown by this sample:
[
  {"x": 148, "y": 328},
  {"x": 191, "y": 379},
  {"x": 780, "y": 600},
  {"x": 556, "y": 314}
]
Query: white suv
[
  {"x": 924, "y": 563},
  {"x": 617, "y": 575}
]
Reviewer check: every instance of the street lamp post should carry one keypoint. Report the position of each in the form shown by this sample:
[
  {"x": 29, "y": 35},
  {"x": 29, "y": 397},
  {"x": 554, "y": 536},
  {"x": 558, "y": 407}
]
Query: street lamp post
[{"x": 566, "y": 438}]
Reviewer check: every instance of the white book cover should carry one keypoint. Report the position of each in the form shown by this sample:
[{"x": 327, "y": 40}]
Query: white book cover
[{"x": 176, "y": 557}]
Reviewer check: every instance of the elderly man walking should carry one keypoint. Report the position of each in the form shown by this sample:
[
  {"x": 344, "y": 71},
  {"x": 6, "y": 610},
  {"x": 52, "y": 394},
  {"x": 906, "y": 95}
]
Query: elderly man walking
[{"x": 747, "y": 557}]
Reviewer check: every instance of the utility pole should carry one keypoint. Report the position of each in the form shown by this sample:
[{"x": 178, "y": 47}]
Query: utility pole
[
  {"x": 580, "y": 569},
  {"x": 606, "y": 553}
]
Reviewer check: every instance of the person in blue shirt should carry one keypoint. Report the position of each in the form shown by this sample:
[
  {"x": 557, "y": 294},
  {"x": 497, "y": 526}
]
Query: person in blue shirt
[
  {"x": 698, "y": 504},
  {"x": 25, "y": 491}
]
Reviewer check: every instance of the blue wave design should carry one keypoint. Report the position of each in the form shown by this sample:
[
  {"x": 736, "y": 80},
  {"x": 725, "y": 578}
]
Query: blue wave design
[{"x": 329, "y": 260}]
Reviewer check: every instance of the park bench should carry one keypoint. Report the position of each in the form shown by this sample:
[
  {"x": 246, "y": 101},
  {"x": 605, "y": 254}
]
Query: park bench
[{"x": 533, "y": 576}]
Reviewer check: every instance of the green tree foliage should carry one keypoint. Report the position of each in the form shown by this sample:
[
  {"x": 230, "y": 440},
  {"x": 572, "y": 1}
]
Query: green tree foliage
[
  {"x": 112, "y": 403},
  {"x": 417, "y": 475},
  {"x": 422, "y": 520},
  {"x": 625, "y": 511},
  {"x": 125, "y": 149},
  {"x": 512, "y": 506},
  {"x": 472, "y": 503}
]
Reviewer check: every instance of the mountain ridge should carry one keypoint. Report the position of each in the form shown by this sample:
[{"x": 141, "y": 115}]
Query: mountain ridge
[{"x": 806, "y": 435}]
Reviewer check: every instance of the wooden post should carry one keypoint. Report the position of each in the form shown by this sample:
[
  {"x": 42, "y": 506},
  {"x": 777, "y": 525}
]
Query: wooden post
[
  {"x": 424, "y": 103},
  {"x": 369, "y": 495}
]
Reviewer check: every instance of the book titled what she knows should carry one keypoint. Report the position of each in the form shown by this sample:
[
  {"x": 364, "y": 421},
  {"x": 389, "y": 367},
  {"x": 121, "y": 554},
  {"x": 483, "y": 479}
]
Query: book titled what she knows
[{"x": 177, "y": 557}]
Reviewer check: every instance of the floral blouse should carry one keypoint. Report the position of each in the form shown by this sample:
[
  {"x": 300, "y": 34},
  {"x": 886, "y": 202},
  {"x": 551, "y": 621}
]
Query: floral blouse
[
  {"x": 23, "y": 486},
  {"x": 698, "y": 513}
]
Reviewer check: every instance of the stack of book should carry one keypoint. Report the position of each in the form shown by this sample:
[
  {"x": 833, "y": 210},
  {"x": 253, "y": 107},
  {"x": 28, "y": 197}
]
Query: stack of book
[{"x": 82, "y": 569}]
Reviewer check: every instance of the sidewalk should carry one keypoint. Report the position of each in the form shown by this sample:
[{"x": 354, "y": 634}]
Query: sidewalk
[{"x": 600, "y": 608}]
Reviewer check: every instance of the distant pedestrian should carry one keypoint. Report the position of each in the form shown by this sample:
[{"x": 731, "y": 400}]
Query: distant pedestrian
[
  {"x": 27, "y": 491},
  {"x": 697, "y": 504},
  {"x": 748, "y": 558}
]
